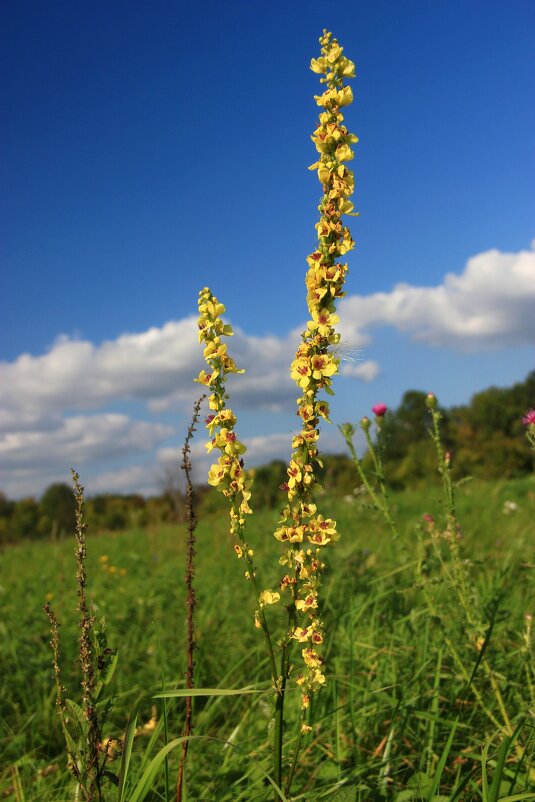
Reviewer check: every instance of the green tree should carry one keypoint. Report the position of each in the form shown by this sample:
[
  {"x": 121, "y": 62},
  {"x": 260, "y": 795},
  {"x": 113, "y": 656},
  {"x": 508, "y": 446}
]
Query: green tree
[
  {"x": 57, "y": 508},
  {"x": 24, "y": 521}
]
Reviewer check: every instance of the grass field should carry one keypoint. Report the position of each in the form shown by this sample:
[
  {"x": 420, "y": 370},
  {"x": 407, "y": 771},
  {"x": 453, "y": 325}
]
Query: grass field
[{"x": 399, "y": 717}]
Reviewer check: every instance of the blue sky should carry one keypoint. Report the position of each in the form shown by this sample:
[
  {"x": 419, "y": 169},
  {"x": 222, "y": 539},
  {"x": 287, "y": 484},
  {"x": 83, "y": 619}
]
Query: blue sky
[{"x": 149, "y": 150}]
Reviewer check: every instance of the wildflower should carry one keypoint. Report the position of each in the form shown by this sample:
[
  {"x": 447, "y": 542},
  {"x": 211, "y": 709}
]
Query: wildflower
[
  {"x": 379, "y": 410},
  {"x": 510, "y": 507},
  {"x": 302, "y": 635},
  {"x": 529, "y": 418},
  {"x": 431, "y": 401},
  {"x": 113, "y": 747},
  {"x": 227, "y": 474},
  {"x": 268, "y": 597},
  {"x": 315, "y": 362},
  {"x": 150, "y": 725}
]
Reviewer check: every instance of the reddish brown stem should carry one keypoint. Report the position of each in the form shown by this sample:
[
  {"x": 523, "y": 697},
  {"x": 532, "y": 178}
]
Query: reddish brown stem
[{"x": 191, "y": 522}]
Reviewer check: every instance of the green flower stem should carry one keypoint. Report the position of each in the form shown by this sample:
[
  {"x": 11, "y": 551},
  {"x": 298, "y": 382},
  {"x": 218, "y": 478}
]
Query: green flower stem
[
  {"x": 377, "y": 461},
  {"x": 444, "y": 469},
  {"x": 459, "y": 578},
  {"x": 281, "y": 695},
  {"x": 265, "y": 629},
  {"x": 379, "y": 504},
  {"x": 295, "y": 759}
]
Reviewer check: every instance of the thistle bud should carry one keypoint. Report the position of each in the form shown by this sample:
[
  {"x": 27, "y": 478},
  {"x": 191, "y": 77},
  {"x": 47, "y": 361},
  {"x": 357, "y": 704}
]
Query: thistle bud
[{"x": 431, "y": 401}]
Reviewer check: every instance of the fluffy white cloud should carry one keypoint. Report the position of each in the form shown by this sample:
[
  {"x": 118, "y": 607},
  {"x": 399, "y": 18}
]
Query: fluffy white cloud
[
  {"x": 490, "y": 305},
  {"x": 33, "y": 459},
  {"x": 142, "y": 479},
  {"x": 76, "y": 375},
  {"x": 367, "y": 371},
  {"x": 42, "y": 398},
  {"x": 155, "y": 367}
]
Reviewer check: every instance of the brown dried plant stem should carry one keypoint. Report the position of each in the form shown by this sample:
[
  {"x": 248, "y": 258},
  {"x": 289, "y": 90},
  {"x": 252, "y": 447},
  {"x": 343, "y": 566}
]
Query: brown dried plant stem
[
  {"x": 60, "y": 690},
  {"x": 191, "y": 521},
  {"x": 86, "y": 651}
]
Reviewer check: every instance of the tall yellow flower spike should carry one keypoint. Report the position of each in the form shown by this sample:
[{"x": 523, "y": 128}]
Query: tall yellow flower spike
[
  {"x": 227, "y": 474},
  {"x": 301, "y": 529}
]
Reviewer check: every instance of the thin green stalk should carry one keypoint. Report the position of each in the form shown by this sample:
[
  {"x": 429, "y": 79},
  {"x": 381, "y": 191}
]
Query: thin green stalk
[
  {"x": 379, "y": 470},
  {"x": 281, "y": 697},
  {"x": 295, "y": 759},
  {"x": 265, "y": 628},
  {"x": 382, "y": 505},
  {"x": 166, "y": 741}
]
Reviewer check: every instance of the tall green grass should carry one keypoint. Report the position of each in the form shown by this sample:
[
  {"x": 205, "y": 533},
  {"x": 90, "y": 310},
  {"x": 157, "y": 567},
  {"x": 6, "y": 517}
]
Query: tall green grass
[{"x": 398, "y": 719}]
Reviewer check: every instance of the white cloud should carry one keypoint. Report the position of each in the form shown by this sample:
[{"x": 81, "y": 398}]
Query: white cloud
[
  {"x": 31, "y": 460},
  {"x": 42, "y": 398},
  {"x": 76, "y": 375},
  {"x": 490, "y": 305},
  {"x": 367, "y": 371},
  {"x": 133, "y": 479}
]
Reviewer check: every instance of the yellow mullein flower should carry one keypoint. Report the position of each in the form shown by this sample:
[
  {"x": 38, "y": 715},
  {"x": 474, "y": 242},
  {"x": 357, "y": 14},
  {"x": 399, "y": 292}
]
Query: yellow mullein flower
[
  {"x": 268, "y": 597},
  {"x": 215, "y": 475},
  {"x": 308, "y": 509},
  {"x": 227, "y": 441},
  {"x": 317, "y": 65},
  {"x": 317, "y": 680},
  {"x": 322, "y": 366},
  {"x": 215, "y": 349},
  {"x": 323, "y": 321},
  {"x": 311, "y": 658},
  {"x": 300, "y": 371},
  {"x": 314, "y": 364},
  {"x": 207, "y": 378},
  {"x": 310, "y": 602},
  {"x": 343, "y": 153},
  {"x": 294, "y": 473},
  {"x": 302, "y": 635}
]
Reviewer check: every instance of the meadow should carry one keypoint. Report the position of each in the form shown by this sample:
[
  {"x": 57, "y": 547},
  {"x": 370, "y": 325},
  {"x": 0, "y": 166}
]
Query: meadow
[
  {"x": 398, "y": 665},
  {"x": 398, "y": 718}
]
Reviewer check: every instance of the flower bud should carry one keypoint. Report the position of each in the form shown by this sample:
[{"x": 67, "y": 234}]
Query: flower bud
[
  {"x": 379, "y": 410},
  {"x": 365, "y": 424},
  {"x": 347, "y": 430},
  {"x": 431, "y": 401}
]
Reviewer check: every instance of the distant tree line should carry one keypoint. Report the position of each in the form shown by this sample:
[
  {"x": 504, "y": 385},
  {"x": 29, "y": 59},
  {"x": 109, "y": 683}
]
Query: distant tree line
[{"x": 485, "y": 438}]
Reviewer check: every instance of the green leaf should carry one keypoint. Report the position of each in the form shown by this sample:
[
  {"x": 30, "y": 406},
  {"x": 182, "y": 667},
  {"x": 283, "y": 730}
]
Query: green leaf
[
  {"x": 517, "y": 798},
  {"x": 128, "y": 743},
  {"x": 145, "y": 783},
  {"x": 106, "y": 675},
  {"x": 75, "y": 716},
  {"x": 181, "y": 692},
  {"x": 346, "y": 794},
  {"x": 441, "y": 763}
]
